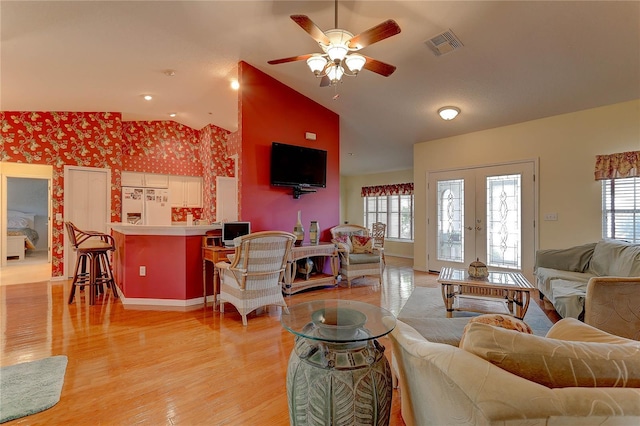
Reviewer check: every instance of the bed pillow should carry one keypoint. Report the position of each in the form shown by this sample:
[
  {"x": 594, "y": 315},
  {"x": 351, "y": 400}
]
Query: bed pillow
[
  {"x": 362, "y": 244},
  {"x": 17, "y": 222},
  {"x": 556, "y": 363}
]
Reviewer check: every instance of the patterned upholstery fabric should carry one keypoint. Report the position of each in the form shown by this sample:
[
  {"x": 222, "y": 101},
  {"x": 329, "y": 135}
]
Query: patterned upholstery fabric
[
  {"x": 498, "y": 320},
  {"x": 356, "y": 264}
]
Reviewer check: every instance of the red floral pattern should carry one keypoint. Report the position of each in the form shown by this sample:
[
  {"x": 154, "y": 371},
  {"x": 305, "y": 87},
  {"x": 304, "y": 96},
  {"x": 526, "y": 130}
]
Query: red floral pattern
[
  {"x": 394, "y": 189},
  {"x": 618, "y": 166},
  {"x": 101, "y": 139}
]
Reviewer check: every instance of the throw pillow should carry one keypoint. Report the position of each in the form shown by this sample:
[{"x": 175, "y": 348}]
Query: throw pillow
[
  {"x": 362, "y": 244},
  {"x": 343, "y": 242},
  {"x": 556, "y": 363},
  {"x": 498, "y": 320}
]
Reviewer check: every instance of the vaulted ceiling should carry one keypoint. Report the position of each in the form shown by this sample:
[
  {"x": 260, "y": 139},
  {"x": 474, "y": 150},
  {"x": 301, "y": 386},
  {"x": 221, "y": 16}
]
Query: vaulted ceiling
[{"x": 520, "y": 61}]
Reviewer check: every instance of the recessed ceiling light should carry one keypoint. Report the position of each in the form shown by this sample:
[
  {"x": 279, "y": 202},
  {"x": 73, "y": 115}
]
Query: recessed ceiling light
[
  {"x": 148, "y": 97},
  {"x": 449, "y": 112},
  {"x": 235, "y": 85},
  {"x": 172, "y": 114},
  {"x": 169, "y": 73}
]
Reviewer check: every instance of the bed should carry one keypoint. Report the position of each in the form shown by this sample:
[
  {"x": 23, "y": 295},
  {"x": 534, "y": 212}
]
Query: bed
[{"x": 21, "y": 234}]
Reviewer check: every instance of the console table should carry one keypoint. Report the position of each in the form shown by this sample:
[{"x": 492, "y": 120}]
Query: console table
[{"x": 318, "y": 253}]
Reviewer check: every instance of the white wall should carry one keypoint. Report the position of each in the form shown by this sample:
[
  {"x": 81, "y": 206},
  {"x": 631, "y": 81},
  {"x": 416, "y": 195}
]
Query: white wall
[
  {"x": 352, "y": 205},
  {"x": 566, "y": 146}
]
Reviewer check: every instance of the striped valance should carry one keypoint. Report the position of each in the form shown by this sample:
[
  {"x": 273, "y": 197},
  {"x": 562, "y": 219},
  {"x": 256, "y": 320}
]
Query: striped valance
[
  {"x": 393, "y": 189},
  {"x": 617, "y": 166}
]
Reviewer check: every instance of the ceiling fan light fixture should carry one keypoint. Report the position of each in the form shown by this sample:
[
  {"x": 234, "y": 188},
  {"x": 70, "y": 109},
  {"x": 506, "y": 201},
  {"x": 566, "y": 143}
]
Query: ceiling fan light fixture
[
  {"x": 316, "y": 63},
  {"x": 448, "y": 112},
  {"x": 337, "y": 52},
  {"x": 335, "y": 72},
  {"x": 355, "y": 62}
]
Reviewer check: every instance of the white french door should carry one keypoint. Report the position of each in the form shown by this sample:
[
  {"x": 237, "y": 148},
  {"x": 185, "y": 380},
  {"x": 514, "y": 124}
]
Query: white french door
[{"x": 484, "y": 213}]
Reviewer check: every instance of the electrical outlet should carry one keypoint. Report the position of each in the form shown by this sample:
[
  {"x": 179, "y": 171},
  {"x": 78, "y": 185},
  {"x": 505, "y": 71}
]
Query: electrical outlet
[
  {"x": 551, "y": 216},
  {"x": 143, "y": 271}
]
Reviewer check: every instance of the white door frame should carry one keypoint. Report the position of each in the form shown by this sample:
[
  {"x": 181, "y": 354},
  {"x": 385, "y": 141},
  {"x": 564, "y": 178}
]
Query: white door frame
[
  {"x": 23, "y": 170},
  {"x": 67, "y": 200}
]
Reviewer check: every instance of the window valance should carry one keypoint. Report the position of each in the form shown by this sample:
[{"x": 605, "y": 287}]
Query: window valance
[
  {"x": 393, "y": 189},
  {"x": 617, "y": 166}
]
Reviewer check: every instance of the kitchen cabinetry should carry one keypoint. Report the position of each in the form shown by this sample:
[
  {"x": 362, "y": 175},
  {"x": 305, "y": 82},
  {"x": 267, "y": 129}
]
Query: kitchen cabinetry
[
  {"x": 144, "y": 180},
  {"x": 185, "y": 191}
]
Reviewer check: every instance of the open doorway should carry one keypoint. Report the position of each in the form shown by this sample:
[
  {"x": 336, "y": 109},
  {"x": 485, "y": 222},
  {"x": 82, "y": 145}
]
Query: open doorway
[{"x": 25, "y": 208}]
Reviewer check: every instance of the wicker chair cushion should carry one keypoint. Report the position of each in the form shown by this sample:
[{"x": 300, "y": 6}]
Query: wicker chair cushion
[{"x": 362, "y": 258}]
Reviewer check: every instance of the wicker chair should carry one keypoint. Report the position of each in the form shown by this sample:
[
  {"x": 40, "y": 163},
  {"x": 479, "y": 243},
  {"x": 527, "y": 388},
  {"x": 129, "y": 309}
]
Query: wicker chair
[
  {"x": 253, "y": 277},
  {"x": 378, "y": 231},
  {"x": 355, "y": 265},
  {"x": 612, "y": 304}
]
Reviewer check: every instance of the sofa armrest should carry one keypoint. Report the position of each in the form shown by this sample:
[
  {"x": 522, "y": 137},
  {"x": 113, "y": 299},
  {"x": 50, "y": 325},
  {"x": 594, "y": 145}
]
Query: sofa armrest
[
  {"x": 612, "y": 304},
  {"x": 574, "y": 259}
]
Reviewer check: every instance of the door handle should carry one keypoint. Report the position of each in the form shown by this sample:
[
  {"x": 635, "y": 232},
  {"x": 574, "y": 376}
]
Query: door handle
[
  {"x": 478, "y": 228},
  {"x": 469, "y": 228}
]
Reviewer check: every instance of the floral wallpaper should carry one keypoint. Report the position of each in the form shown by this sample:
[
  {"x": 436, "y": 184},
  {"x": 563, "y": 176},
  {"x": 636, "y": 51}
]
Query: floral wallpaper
[
  {"x": 59, "y": 139},
  {"x": 102, "y": 140}
]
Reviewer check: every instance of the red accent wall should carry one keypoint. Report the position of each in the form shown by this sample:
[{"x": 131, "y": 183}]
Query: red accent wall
[{"x": 272, "y": 112}]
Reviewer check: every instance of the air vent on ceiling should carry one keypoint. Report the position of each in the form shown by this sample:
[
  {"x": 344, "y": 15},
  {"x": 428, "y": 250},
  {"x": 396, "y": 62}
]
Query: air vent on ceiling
[{"x": 444, "y": 43}]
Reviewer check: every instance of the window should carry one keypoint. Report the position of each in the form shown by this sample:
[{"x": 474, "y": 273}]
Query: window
[
  {"x": 396, "y": 211},
  {"x": 621, "y": 209}
]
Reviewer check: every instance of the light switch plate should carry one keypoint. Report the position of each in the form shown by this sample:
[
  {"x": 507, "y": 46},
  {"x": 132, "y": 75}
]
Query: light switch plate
[{"x": 551, "y": 216}]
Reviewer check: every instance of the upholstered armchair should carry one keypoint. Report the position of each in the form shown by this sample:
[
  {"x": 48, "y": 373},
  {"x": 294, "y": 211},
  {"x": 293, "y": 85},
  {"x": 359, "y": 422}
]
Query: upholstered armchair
[
  {"x": 612, "y": 304},
  {"x": 358, "y": 256},
  {"x": 253, "y": 277}
]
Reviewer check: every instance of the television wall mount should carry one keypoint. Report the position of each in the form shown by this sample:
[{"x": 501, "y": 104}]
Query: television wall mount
[{"x": 299, "y": 190}]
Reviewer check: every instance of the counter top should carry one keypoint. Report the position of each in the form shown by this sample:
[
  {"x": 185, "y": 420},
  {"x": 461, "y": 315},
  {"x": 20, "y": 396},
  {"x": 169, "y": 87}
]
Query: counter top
[{"x": 177, "y": 230}]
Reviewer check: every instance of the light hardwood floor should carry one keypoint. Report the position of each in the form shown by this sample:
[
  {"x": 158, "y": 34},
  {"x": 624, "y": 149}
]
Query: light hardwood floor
[{"x": 157, "y": 367}]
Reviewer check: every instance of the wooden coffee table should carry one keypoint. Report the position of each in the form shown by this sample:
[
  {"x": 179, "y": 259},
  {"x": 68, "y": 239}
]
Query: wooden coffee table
[{"x": 501, "y": 292}]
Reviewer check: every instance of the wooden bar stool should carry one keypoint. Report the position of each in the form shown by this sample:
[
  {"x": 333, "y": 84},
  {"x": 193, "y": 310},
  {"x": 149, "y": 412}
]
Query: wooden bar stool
[{"x": 92, "y": 250}]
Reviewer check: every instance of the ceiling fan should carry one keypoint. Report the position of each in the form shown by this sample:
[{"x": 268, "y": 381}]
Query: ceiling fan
[{"x": 339, "y": 46}]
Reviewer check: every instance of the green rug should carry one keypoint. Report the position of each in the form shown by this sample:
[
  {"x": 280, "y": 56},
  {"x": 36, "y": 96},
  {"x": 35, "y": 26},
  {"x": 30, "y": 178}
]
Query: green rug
[{"x": 31, "y": 387}]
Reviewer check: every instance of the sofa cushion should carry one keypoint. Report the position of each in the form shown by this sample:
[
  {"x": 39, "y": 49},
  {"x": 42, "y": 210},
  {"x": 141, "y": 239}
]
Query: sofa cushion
[
  {"x": 574, "y": 259},
  {"x": 573, "y": 330},
  {"x": 556, "y": 363},
  {"x": 544, "y": 276},
  {"x": 568, "y": 297},
  {"x": 615, "y": 259}
]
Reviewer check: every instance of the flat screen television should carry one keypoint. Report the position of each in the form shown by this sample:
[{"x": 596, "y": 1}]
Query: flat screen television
[
  {"x": 231, "y": 230},
  {"x": 298, "y": 166}
]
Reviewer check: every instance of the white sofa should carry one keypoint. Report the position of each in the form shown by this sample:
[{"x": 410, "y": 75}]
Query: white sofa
[
  {"x": 441, "y": 384},
  {"x": 562, "y": 274}
]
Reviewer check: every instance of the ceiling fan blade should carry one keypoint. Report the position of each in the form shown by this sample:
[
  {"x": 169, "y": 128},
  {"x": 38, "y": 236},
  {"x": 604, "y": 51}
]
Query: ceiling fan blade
[
  {"x": 312, "y": 29},
  {"x": 374, "y": 34},
  {"x": 379, "y": 67},
  {"x": 325, "y": 81},
  {"x": 291, "y": 59}
]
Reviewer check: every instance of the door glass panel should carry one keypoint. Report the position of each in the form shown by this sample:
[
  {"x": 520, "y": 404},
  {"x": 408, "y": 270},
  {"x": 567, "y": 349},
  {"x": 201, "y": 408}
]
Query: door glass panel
[
  {"x": 450, "y": 219},
  {"x": 504, "y": 245}
]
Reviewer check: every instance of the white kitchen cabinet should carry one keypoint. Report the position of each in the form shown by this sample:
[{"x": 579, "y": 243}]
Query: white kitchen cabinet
[
  {"x": 144, "y": 180},
  {"x": 185, "y": 191}
]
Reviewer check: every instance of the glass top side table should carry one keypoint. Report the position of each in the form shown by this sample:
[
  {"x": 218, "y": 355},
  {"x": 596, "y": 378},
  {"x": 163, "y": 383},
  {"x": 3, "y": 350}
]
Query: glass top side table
[{"x": 337, "y": 372}]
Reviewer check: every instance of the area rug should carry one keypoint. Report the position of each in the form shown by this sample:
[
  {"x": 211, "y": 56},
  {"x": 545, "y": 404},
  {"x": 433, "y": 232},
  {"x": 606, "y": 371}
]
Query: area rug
[
  {"x": 31, "y": 387},
  {"x": 424, "y": 311}
]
